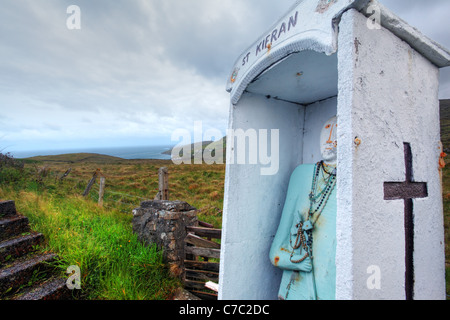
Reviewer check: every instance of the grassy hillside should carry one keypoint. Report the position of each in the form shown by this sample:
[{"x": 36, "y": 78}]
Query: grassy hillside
[
  {"x": 209, "y": 146},
  {"x": 192, "y": 147},
  {"x": 76, "y": 157},
  {"x": 445, "y": 124},
  {"x": 114, "y": 264},
  {"x": 128, "y": 182},
  {"x": 445, "y": 137}
]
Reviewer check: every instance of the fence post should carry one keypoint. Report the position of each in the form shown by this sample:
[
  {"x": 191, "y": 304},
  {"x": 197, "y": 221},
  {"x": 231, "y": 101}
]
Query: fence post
[
  {"x": 65, "y": 174},
  {"x": 91, "y": 183},
  {"x": 101, "y": 191},
  {"x": 163, "y": 186}
]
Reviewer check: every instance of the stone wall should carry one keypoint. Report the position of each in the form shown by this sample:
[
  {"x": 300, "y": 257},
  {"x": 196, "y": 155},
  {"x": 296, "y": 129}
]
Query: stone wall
[{"x": 164, "y": 223}]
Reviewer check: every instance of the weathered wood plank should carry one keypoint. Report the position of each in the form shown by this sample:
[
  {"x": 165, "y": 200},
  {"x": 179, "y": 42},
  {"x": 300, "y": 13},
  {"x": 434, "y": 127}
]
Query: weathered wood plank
[
  {"x": 203, "y": 252},
  {"x": 205, "y": 225},
  {"x": 202, "y": 275},
  {"x": 101, "y": 191},
  {"x": 200, "y": 242},
  {"x": 202, "y": 265},
  {"x": 65, "y": 174},
  {"x": 91, "y": 183},
  {"x": 206, "y": 232},
  {"x": 163, "y": 184},
  {"x": 204, "y": 295},
  {"x": 194, "y": 284}
]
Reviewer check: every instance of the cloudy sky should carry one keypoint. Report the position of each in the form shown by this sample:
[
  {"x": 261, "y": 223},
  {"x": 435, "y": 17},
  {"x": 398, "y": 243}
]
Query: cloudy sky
[{"x": 138, "y": 69}]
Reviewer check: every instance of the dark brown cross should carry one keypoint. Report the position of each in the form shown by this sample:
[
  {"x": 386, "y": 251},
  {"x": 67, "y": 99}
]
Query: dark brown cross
[{"x": 407, "y": 191}]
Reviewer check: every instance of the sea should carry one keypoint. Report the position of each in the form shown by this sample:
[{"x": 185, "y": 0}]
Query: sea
[{"x": 141, "y": 152}]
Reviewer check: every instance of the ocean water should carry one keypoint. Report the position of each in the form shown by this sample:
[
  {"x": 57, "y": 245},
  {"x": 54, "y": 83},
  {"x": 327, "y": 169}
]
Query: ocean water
[{"x": 146, "y": 152}]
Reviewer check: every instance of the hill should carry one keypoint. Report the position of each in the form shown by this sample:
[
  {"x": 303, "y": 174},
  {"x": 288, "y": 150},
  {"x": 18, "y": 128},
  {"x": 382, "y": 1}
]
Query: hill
[
  {"x": 99, "y": 158},
  {"x": 205, "y": 145},
  {"x": 445, "y": 124},
  {"x": 192, "y": 146},
  {"x": 76, "y": 157}
]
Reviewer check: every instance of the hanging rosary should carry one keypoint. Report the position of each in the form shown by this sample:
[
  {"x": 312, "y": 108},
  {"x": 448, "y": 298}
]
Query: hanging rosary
[{"x": 318, "y": 200}]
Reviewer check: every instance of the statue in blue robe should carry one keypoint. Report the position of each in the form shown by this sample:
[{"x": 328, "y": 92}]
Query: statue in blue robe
[{"x": 304, "y": 246}]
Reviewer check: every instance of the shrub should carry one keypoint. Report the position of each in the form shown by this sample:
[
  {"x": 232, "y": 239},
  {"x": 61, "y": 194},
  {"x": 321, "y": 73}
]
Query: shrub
[
  {"x": 11, "y": 170},
  {"x": 7, "y": 160}
]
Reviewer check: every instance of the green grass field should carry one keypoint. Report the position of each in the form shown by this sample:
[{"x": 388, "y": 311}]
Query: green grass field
[
  {"x": 446, "y": 199},
  {"x": 445, "y": 123},
  {"x": 114, "y": 264}
]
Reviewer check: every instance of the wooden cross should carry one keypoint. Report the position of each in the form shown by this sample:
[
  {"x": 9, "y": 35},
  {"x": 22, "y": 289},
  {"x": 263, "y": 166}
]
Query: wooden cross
[{"x": 407, "y": 191}]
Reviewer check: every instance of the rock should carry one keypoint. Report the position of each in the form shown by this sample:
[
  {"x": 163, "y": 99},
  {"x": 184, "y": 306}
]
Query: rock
[
  {"x": 164, "y": 223},
  {"x": 166, "y": 205}
]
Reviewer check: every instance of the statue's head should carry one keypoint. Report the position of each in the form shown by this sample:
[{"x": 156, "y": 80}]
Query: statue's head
[{"x": 328, "y": 141}]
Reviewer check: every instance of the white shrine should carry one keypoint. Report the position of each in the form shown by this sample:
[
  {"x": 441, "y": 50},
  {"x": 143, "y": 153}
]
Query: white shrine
[{"x": 380, "y": 76}]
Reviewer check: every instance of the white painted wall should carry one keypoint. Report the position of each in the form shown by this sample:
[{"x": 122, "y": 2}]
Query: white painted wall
[
  {"x": 388, "y": 95},
  {"x": 253, "y": 203}
]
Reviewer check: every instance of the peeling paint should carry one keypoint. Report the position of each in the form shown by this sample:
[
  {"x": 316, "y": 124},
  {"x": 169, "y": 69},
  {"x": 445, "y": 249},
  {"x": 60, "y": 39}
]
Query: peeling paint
[
  {"x": 442, "y": 161},
  {"x": 324, "y": 5},
  {"x": 277, "y": 259}
]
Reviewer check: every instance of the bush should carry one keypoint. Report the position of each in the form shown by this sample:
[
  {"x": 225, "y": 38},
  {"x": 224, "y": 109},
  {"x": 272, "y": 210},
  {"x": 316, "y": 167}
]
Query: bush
[
  {"x": 8, "y": 174},
  {"x": 11, "y": 170},
  {"x": 7, "y": 160}
]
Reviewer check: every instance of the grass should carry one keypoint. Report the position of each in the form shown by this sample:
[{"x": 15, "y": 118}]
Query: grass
[
  {"x": 99, "y": 240},
  {"x": 445, "y": 137},
  {"x": 128, "y": 182},
  {"x": 114, "y": 264},
  {"x": 446, "y": 202},
  {"x": 445, "y": 123}
]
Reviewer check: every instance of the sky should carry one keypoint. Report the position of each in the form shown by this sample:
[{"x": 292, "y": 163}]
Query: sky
[{"x": 137, "y": 70}]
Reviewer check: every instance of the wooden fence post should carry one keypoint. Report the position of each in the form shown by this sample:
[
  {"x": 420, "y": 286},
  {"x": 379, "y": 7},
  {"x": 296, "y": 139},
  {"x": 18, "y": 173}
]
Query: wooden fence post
[
  {"x": 65, "y": 174},
  {"x": 91, "y": 183},
  {"x": 163, "y": 176},
  {"x": 199, "y": 275},
  {"x": 101, "y": 192}
]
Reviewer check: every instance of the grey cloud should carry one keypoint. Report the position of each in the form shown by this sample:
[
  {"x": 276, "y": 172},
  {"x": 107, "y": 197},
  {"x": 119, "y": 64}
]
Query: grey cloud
[
  {"x": 208, "y": 35},
  {"x": 52, "y": 126},
  {"x": 430, "y": 17},
  {"x": 143, "y": 60}
]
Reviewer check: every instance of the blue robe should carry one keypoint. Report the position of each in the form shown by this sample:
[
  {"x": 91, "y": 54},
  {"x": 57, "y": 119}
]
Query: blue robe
[{"x": 320, "y": 282}]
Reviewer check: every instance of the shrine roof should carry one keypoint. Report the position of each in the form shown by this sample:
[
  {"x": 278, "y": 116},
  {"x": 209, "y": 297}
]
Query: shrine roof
[{"x": 313, "y": 25}]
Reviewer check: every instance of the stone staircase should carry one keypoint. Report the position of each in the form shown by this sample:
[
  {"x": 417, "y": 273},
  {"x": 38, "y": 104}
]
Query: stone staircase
[{"x": 25, "y": 274}]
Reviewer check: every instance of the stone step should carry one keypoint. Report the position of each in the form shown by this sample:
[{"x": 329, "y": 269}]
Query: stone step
[
  {"x": 7, "y": 208},
  {"x": 18, "y": 246},
  {"x": 54, "y": 288},
  {"x": 24, "y": 270},
  {"x": 13, "y": 226}
]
